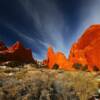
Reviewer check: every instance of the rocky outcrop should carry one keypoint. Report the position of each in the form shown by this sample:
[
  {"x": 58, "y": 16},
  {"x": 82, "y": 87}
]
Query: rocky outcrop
[
  {"x": 87, "y": 49},
  {"x": 57, "y": 58},
  {"x": 15, "y": 53},
  {"x": 85, "y": 53},
  {"x": 50, "y": 57},
  {"x": 2, "y": 46}
]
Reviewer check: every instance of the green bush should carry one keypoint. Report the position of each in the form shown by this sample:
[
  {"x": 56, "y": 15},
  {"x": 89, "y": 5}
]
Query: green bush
[
  {"x": 2, "y": 58},
  {"x": 77, "y": 66},
  {"x": 85, "y": 67},
  {"x": 55, "y": 66},
  {"x": 95, "y": 68}
]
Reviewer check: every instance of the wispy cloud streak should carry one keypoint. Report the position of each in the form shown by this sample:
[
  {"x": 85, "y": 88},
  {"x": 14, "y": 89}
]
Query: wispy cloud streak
[{"x": 48, "y": 20}]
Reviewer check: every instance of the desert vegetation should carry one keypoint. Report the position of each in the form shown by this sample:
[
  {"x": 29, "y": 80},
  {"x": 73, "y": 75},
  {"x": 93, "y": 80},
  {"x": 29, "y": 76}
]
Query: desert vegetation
[{"x": 29, "y": 82}]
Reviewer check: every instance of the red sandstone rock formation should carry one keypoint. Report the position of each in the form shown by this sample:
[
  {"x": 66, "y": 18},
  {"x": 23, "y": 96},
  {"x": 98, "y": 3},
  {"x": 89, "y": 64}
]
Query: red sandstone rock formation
[
  {"x": 86, "y": 51},
  {"x": 15, "y": 53},
  {"x": 2, "y": 46},
  {"x": 59, "y": 59},
  {"x": 51, "y": 57},
  {"x": 87, "y": 48}
]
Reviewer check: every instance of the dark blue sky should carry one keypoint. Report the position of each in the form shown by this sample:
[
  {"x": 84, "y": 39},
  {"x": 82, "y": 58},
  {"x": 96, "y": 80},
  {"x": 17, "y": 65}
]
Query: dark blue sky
[{"x": 42, "y": 23}]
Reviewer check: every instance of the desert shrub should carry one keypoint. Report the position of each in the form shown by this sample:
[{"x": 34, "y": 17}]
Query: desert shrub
[
  {"x": 80, "y": 67},
  {"x": 85, "y": 68},
  {"x": 2, "y": 58},
  {"x": 85, "y": 85},
  {"x": 55, "y": 66},
  {"x": 14, "y": 64},
  {"x": 95, "y": 68},
  {"x": 33, "y": 65},
  {"x": 77, "y": 66}
]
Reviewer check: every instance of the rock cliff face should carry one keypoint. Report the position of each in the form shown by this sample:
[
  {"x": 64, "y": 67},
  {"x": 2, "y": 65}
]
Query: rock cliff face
[
  {"x": 86, "y": 52},
  {"x": 50, "y": 57},
  {"x": 87, "y": 48},
  {"x": 57, "y": 58},
  {"x": 15, "y": 53}
]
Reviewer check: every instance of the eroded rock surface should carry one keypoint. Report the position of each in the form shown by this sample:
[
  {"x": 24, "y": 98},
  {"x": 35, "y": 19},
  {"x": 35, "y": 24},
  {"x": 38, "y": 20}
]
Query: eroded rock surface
[
  {"x": 57, "y": 58},
  {"x": 87, "y": 49},
  {"x": 16, "y": 52}
]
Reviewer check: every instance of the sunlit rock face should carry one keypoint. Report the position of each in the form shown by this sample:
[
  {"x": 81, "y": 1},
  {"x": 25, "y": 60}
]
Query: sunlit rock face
[
  {"x": 77, "y": 55},
  {"x": 15, "y": 53},
  {"x": 50, "y": 57},
  {"x": 87, "y": 48},
  {"x": 58, "y": 58}
]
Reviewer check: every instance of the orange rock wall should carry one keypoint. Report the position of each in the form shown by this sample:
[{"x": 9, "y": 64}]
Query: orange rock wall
[
  {"x": 87, "y": 48},
  {"x": 86, "y": 51},
  {"x": 59, "y": 59}
]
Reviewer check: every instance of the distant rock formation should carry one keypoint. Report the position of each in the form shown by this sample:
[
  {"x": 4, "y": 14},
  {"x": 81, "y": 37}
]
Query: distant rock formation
[
  {"x": 2, "y": 46},
  {"x": 15, "y": 53},
  {"x": 57, "y": 58},
  {"x": 85, "y": 53},
  {"x": 87, "y": 49}
]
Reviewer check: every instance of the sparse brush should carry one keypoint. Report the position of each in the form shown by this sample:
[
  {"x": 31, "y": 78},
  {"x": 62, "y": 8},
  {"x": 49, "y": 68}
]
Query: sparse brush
[{"x": 31, "y": 83}]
